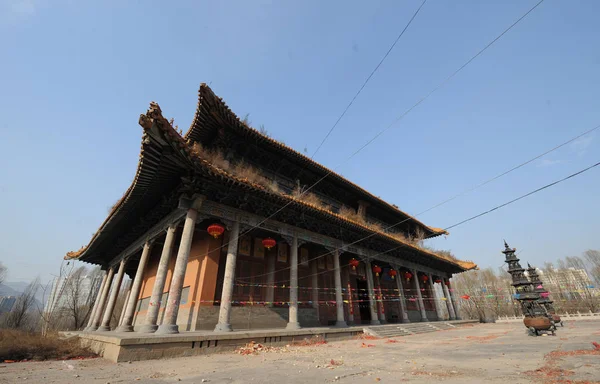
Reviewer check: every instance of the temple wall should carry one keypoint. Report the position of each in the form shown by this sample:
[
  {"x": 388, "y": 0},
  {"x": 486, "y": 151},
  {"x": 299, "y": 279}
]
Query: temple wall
[{"x": 199, "y": 282}]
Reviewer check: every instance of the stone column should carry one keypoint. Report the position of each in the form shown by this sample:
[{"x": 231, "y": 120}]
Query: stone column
[
  {"x": 380, "y": 307},
  {"x": 224, "y": 324},
  {"x": 293, "y": 314},
  {"x": 103, "y": 299},
  {"x": 114, "y": 294},
  {"x": 127, "y": 296},
  {"x": 438, "y": 313},
  {"x": 401, "y": 298},
  {"x": 169, "y": 324},
  {"x": 271, "y": 262},
  {"x": 371, "y": 288},
  {"x": 314, "y": 285},
  {"x": 419, "y": 296},
  {"x": 348, "y": 286},
  {"x": 96, "y": 303},
  {"x": 451, "y": 312},
  {"x": 136, "y": 285},
  {"x": 454, "y": 301},
  {"x": 159, "y": 282},
  {"x": 339, "y": 300}
]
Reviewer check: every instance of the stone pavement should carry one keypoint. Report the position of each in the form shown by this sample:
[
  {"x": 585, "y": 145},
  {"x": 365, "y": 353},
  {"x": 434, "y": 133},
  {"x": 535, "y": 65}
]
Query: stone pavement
[{"x": 490, "y": 353}]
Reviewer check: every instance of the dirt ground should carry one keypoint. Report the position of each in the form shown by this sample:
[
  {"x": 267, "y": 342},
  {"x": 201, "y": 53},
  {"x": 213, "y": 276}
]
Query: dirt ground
[{"x": 491, "y": 353}]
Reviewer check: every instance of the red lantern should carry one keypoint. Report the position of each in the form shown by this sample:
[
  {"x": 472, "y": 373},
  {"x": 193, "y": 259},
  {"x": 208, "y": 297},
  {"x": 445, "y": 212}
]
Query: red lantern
[
  {"x": 438, "y": 281},
  {"x": 269, "y": 243},
  {"x": 425, "y": 278},
  {"x": 408, "y": 275},
  {"x": 392, "y": 273},
  {"x": 215, "y": 230},
  {"x": 377, "y": 270},
  {"x": 354, "y": 263}
]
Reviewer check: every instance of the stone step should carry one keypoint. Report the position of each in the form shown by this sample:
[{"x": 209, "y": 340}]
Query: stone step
[{"x": 405, "y": 329}]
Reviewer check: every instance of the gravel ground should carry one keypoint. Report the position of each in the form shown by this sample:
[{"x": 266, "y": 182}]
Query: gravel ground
[{"x": 490, "y": 353}]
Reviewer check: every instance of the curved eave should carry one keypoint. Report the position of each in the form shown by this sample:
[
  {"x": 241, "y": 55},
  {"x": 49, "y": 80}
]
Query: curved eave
[
  {"x": 157, "y": 171},
  {"x": 212, "y": 111},
  {"x": 166, "y": 154}
]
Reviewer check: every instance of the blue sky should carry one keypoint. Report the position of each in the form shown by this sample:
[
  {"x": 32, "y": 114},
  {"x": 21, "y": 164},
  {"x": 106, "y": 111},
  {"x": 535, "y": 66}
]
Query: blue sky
[{"x": 76, "y": 75}]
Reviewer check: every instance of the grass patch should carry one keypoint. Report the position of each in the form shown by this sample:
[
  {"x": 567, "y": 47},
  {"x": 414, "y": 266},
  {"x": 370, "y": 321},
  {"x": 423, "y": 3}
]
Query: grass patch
[{"x": 19, "y": 345}]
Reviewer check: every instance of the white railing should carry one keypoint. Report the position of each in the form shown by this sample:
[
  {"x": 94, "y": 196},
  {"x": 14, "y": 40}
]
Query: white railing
[{"x": 563, "y": 316}]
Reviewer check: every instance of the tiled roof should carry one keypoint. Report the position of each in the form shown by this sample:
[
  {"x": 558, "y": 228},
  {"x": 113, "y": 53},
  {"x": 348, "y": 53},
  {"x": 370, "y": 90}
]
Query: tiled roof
[
  {"x": 149, "y": 164},
  {"x": 213, "y": 113}
]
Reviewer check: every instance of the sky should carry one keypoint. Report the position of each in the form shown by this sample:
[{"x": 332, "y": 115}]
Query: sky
[{"x": 74, "y": 77}]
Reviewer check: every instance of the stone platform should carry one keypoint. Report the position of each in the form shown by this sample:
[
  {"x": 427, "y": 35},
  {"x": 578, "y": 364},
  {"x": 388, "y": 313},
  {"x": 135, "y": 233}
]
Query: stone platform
[{"x": 133, "y": 346}]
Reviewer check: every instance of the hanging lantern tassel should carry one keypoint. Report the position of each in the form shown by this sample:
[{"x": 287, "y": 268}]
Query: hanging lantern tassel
[
  {"x": 354, "y": 263},
  {"x": 377, "y": 270},
  {"x": 269, "y": 243},
  {"x": 466, "y": 297},
  {"x": 215, "y": 230},
  {"x": 392, "y": 273}
]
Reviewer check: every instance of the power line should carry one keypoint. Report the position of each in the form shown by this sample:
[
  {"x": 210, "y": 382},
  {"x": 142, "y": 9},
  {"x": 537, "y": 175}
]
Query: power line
[
  {"x": 329, "y": 172},
  {"x": 404, "y": 114},
  {"x": 523, "y": 196},
  {"x": 466, "y": 220},
  {"x": 457, "y": 195},
  {"x": 368, "y": 78}
]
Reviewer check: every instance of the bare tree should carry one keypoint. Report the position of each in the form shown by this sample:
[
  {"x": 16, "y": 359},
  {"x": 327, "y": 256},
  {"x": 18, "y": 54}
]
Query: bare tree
[
  {"x": 22, "y": 314},
  {"x": 2, "y": 273},
  {"x": 593, "y": 259},
  {"x": 50, "y": 315},
  {"x": 79, "y": 292}
]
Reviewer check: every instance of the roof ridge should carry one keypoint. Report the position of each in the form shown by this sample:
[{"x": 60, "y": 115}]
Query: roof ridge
[
  {"x": 154, "y": 115},
  {"x": 206, "y": 91}
]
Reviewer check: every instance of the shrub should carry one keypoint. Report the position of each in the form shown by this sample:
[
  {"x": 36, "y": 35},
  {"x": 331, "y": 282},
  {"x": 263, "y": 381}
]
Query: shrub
[{"x": 19, "y": 345}]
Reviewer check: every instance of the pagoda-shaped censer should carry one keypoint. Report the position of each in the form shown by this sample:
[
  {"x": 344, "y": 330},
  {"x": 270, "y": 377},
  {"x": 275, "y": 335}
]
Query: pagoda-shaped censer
[
  {"x": 544, "y": 299},
  {"x": 536, "y": 318}
]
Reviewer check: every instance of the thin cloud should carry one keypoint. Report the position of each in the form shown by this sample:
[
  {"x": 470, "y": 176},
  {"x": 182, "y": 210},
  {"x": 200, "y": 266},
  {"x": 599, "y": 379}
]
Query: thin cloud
[
  {"x": 548, "y": 162},
  {"x": 22, "y": 7},
  {"x": 581, "y": 145}
]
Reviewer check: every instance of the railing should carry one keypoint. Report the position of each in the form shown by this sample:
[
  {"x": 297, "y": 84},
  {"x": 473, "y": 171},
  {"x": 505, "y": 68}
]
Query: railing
[{"x": 563, "y": 316}]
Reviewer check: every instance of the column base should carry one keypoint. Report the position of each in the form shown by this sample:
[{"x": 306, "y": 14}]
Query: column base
[
  {"x": 103, "y": 328},
  {"x": 124, "y": 328},
  {"x": 148, "y": 328},
  {"x": 340, "y": 324},
  {"x": 167, "y": 329},
  {"x": 452, "y": 318},
  {"x": 223, "y": 328},
  {"x": 293, "y": 325},
  {"x": 375, "y": 322},
  {"x": 405, "y": 321},
  {"x": 424, "y": 319},
  {"x": 382, "y": 321}
]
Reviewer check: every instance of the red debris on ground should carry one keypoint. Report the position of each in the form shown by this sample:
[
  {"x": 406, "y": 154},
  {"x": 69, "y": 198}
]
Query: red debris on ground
[
  {"x": 310, "y": 342},
  {"x": 367, "y": 345},
  {"x": 550, "y": 373},
  {"x": 364, "y": 336},
  {"x": 333, "y": 362},
  {"x": 392, "y": 341},
  {"x": 253, "y": 348}
]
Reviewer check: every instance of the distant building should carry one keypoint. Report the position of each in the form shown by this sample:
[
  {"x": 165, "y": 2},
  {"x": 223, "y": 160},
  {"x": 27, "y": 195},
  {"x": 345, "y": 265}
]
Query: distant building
[
  {"x": 7, "y": 303},
  {"x": 568, "y": 282},
  {"x": 59, "y": 295}
]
